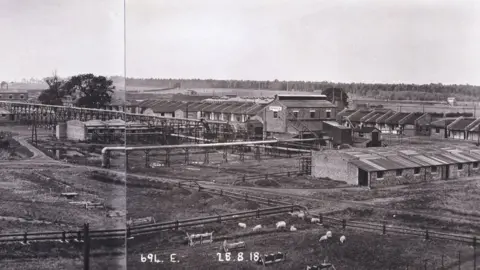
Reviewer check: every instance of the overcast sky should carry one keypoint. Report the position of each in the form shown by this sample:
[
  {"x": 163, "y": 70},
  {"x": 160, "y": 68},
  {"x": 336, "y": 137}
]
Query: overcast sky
[
  {"x": 419, "y": 41},
  {"x": 390, "y": 41},
  {"x": 71, "y": 36}
]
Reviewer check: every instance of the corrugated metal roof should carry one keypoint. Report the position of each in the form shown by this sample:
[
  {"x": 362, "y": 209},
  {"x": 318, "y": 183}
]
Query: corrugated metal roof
[
  {"x": 241, "y": 109},
  {"x": 307, "y": 104},
  {"x": 405, "y": 163},
  {"x": 374, "y": 117},
  {"x": 364, "y": 166},
  {"x": 346, "y": 112}
]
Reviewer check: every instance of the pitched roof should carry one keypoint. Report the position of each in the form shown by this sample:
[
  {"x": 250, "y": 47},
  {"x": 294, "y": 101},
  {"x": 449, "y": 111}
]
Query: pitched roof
[
  {"x": 394, "y": 119},
  {"x": 374, "y": 117},
  {"x": 460, "y": 124},
  {"x": 443, "y": 122},
  {"x": 411, "y": 118},
  {"x": 346, "y": 112},
  {"x": 166, "y": 107},
  {"x": 307, "y": 104},
  {"x": 381, "y": 119},
  {"x": 358, "y": 115}
]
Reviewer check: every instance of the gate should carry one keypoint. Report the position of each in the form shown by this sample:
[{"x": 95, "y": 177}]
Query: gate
[{"x": 306, "y": 166}]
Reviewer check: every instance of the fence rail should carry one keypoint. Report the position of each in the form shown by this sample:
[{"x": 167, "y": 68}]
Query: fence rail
[{"x": 78, "y": 236}]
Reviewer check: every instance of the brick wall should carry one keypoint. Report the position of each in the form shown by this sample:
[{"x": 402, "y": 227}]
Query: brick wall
[
  {"x": 334, "y": 165},
  {"x": 408, "y": 176},
  {"x": 466, "y": 171}
]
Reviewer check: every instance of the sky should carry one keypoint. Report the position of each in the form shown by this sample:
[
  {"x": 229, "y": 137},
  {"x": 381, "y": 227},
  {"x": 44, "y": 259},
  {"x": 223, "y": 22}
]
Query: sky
[
  {"x": 72, "y": 37},
  {"x": 392, "y": 41},
  {"x": 395, "y": 41}
]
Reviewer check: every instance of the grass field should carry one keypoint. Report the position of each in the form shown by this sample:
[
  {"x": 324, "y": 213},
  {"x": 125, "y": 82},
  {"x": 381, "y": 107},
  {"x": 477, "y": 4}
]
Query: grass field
[
  {"x": 225, "y": 91},
  {"x": 455, "y": 201},
  {"x": 362, "y": 250}
]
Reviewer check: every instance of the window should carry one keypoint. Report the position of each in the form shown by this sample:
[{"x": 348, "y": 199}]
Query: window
[
  {"x": 416, "y": 170},
  {"x": 162, "y": 114},
  {"x": 475, "y": 165},
  {"x": 295, "y": 114},
  {"x": 460, "y": 167},
  {"x": 433, "y": 169},
  {"x": 329, "y": 114},
  {"x": 21, "y": 96},
  {"x": 379, "y": 175},
  {"x": 10, "y": 97},
  {"x": 275, "y": 114},
  {"x": 360, "y": 134},
  {"x": 437, "y": 130},
  {"x": 312, "y": 114},
  {"x": 399, "y": 172},
  {"x": 239, "y": 118}
]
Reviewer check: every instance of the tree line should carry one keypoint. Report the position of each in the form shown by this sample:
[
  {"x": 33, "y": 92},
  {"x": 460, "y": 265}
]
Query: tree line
[
  {"x": 84, "y": 90},
  {"x": 436, "y": 92}
]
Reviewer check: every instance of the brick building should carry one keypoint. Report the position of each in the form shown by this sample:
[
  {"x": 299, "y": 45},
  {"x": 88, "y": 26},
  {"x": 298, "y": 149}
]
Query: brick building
[
  {"x": 294, "y": 114},
  {"x": 386, "y": 167},
  {"x": 14, "y": 96}
]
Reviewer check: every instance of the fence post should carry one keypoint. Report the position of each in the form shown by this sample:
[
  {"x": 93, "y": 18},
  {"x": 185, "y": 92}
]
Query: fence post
[
  {"x": 344, "y": 223},
  {"x": 176, "y": 225},
  {"x": 288, "y": 174},
  {"x": 25, "y": 237},
  {"x": 86, "y": 246},
  {"x": 221, "y": 192},
  {"x": 292, "y": 209},
  {"x": 199, "y": 188},
  {"x": 321, "y": 218},
  {"x": 64, "y": 237},
  {"x": 425, "y": 264},
  {"x": 268, "y": 201},
  {"x": 443, "y": 259},
  {"x": 243, "y": 178},
  {"x": 459, "y": 261},
  {"x": 266, "y": 176},
  {"x": 384, "y": 228},
  {"x": 129, "y": 233},
  {"x": 427, "y": 236},
  {"x": 79, "y": 236},
  {"x": 246, "y": 197},
  {"x": 219, "y": 219},
  {"x": 258, "y": 213},
  {"x": 179, "y": 184},
  {"x": 474, "y": 252}
]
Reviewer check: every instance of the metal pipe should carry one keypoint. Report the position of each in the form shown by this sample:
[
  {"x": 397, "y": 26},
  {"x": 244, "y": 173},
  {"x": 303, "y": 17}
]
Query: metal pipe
[{"x": 157, "y": 147}]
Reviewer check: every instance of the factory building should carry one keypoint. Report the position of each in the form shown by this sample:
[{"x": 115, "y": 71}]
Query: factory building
[
  {"x": 339, "y": 134},
  {"x": 394, "y": 166},
  {"x": 294, "y": 114}
]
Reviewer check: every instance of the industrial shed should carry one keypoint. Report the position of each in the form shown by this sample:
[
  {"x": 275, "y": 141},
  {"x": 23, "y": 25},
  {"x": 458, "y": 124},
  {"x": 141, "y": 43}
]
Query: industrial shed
[
  {"x": 387, "y": 167},
  {"x": 339, "y": 134}
]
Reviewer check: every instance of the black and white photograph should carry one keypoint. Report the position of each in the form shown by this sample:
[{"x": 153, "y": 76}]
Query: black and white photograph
[
  {"x": 230, "y": 134},
  {"x": 61, "y": 102}
]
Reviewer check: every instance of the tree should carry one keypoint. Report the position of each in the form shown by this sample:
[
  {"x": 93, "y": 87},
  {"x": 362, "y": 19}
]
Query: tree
[
  {"x": 90, "y": 91},
  {"x": 54, "y": 94},
  {"x": 336, "y": 94}
]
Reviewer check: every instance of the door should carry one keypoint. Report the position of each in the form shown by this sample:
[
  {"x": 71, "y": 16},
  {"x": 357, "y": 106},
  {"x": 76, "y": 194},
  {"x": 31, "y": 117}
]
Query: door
[
  {"x": 362, "y": 178},
  {"x": 447, "y": 172}
]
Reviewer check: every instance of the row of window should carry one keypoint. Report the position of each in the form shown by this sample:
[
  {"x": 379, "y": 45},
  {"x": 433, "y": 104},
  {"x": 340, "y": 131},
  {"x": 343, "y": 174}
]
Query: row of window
[
  {"x": 295, "y": 114},
  {"x": 11, "y": 96},
  {"x": 416, "y": 171}
]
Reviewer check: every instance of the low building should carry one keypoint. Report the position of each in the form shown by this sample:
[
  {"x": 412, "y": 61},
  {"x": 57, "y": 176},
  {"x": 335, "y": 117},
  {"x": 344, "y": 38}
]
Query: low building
[
  {"x": 386, "y": 167},
  {"x": 439, "y": 128},
  {"x": 473, "y": 131},
  {"x": 340, "y": 134},
  {"x": 354, "y": 120},
  {"x": 457, "y": 129},
  {"x": 163, "y": 108},
  {"x": 393, "y": 123},
  {"x": 408, "y": 124},
  {"x": 422, "y": 124},
  {"x": 381, "y": 122}
]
